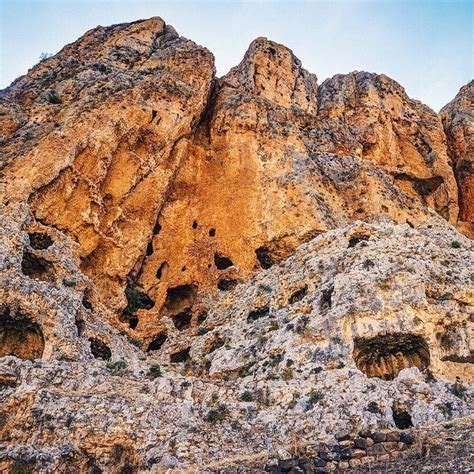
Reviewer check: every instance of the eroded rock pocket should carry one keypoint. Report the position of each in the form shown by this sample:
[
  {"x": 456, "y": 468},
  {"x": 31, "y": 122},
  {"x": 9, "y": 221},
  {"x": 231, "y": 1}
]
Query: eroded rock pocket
[
  {"x": 20, "y": 336},
  {"x": 179, "y": 297},
  {"x": 40, "y": 240},
  {"x": 385, "y": 356},
  {"x": 37, "y": 268},
  {"x": 99, "y": 349},
  {"x": 157, "y": 342}
]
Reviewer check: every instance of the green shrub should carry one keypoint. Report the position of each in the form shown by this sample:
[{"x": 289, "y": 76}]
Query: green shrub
[
  {"x": 246, "y": 396},
  {"x": 154, "y": 371},
  {"x": 315, "y": 396},
  {"x": 203, "y": 331},
  {"x": 69, "y": 283},
  {"x": 456, "y": 244},
  {"x": 217, "y": 414},
  {"x": 134, "y": 342},
  {"x": 117, "y": 366},
  {"x": 136, "y": 300},
  {"x": 43, "y": 56}
]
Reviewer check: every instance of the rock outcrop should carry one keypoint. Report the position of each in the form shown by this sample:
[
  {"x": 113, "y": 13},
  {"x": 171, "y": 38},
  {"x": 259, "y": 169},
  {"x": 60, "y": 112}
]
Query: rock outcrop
[
  {"x": 190, "y": 265},
  {"x": 458, "y": 120}
]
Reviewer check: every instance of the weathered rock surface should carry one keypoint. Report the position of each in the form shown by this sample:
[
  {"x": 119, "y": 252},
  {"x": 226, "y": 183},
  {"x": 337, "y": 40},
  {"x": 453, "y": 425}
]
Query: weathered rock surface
[
  {"x": 198, "y": 271},
  {"x": 458, "y": 120},
  {"x": 288, "y": 354}
]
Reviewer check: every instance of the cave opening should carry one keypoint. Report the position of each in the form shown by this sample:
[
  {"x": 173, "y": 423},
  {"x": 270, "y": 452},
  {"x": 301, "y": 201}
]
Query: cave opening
[
  {"x": 40, "y": 240},
  {"x": 258, "y": 313},
  {"x": 402, "y": 419},
  {"x": 157, "y": 342},
  {"x": 20, "y": 336},
  {"x": 161, "y": 270},
  {"x": 222, "y": 262},
  {"x": 99, "y": 349},
  {"x": 149, "y": 249},
  {"x": 326, "y": 298},
  {"x": 212, "y": 232},
  {"x": 227, "y": 284},
  {"x": 182, "y": 320},
  {"x": 386, "y": 355},
  {"x": 357, "y": 239},
  {"x": 37, "y": 268},
  {"x": 181, "y": 356},
  {"x": 178, "y": 297},
  {"x": 264, "y": 257},
  {"x": 298, "y": 295}
]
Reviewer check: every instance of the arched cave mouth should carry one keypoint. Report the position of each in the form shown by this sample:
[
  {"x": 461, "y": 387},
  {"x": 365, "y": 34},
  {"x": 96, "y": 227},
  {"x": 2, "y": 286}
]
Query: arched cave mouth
[
  {"x": 386, "y": 355},
  {"x": 20, "y": 336}
]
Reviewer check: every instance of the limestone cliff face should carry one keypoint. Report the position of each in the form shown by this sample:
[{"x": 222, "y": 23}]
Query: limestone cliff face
[
  {"x": 252, "y": 233},
  {"x": 96, "y": 139},
  {"x": 401, "y": 136},
  {"x": 458, "y": 120}
]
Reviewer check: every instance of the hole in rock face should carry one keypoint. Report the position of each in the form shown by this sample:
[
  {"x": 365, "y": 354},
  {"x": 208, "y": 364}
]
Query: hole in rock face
[
  {"x": 161, "y": 270},
  {"x": 179, "y": 297},
  {"x": 264, "y": 257},
  {"x": 386, "y": 355},
  {"x": 181, "y": 356},
  {"x": 212, "y": 232},
  {"x": 227, "y": 284},
  {"x": 149, "y": 249},
  {"x": 298, "y": 295},
  {"x": 86, "y": 302},
  {"x": 222, "y": 262},
  {"x": 201, "y": 318},
  {"x": 402, "y": 419},
  {"x": 80, "y": 325},
  {"x": 36, "y": 267},
  {"x": 99, "y": 349},
  {"x": 326, "y": 298},
  {"x": 157, "y": 228},
  {"x": 357, "y": 239},
  {"x": 182, "y": 320},
  {"x": 40, "y": 240},
  {"x": 133, "y": 323},
  {"x": 195, "y": 224},
  {"x": 19, "y": 336},
  {"x": 258, "y": 313},
  {"x": 157, "y": 342}
]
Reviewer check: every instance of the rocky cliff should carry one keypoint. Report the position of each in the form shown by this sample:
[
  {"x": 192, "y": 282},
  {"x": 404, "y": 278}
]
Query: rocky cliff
[{"x": 197, "y": 270}]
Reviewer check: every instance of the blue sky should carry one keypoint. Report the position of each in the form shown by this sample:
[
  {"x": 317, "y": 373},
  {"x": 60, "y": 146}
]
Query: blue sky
[{"x": 425, "y": 45}]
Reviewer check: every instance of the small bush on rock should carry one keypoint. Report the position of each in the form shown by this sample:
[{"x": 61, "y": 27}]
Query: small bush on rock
[
  {"x": 154, "y": 371},
  {"x": 117, "y": 366},
  {"x": 216, "y": 414}
]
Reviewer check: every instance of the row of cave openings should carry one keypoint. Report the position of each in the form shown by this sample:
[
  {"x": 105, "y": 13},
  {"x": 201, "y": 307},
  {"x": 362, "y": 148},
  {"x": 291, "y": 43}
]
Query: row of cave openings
[{"x": 137, "y": 299}]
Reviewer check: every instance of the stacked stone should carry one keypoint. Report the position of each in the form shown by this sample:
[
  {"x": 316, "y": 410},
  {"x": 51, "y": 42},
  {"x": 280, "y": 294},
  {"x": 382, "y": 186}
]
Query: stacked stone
[{"x": 349, "y": 452}]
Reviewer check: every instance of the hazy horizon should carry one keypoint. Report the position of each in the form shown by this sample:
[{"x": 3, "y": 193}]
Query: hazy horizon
[{"x": 426, "y": 46}]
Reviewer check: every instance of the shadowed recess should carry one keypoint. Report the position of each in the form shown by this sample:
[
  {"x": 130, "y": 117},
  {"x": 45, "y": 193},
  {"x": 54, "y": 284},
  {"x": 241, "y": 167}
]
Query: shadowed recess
[
  {"x": 385, "y": 356},
  {"x": 20, "y": 336}
]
